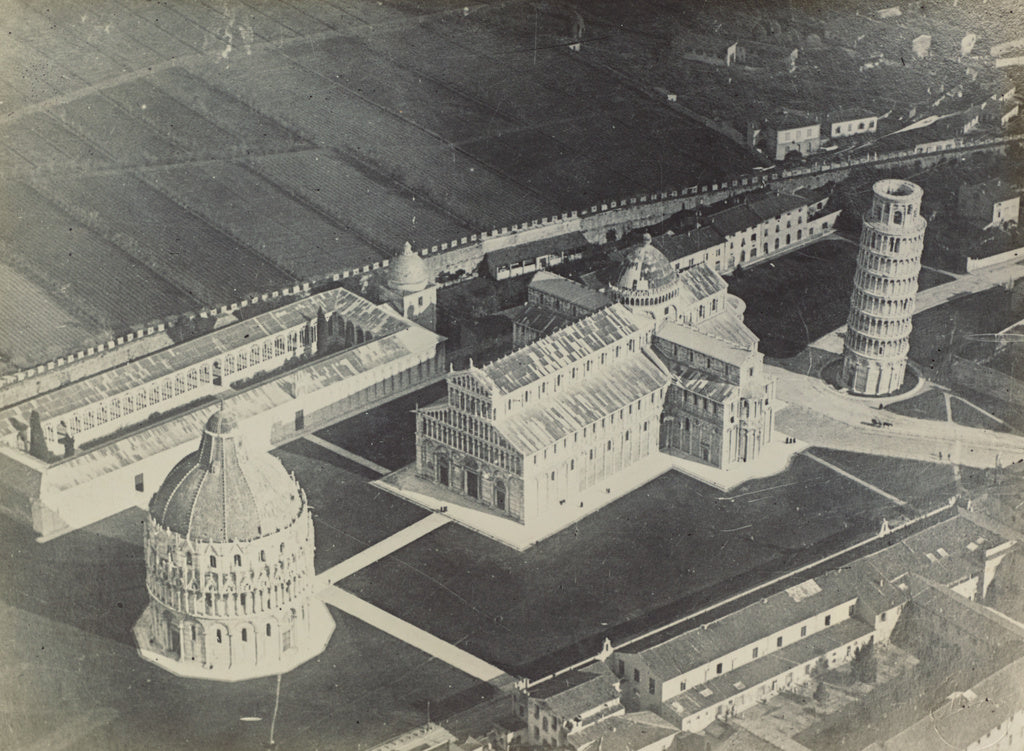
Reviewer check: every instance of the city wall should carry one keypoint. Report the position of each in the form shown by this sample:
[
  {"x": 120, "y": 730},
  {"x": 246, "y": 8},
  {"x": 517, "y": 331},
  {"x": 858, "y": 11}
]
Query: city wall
[{"x": 465, "y": 254}]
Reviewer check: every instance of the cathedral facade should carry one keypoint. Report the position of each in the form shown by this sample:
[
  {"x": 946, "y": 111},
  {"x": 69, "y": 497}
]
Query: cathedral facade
[
  {"x": 658, "y": 360},
  {"x": 229, "y": 565}
]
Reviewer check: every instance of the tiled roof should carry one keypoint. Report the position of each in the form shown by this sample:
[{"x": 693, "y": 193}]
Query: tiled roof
[
  {"x": 542, "y": 320},
  {"x": 735, "y": 219},
  {"x": 728, "y": 327},
  {"x": 693, "y": 338},
  {"x": 699, "y": 282},
  {"x": 608, "y": 389},
  {"x": 575, "y": 342},
  {"x": 767, "y": 667},
  {"x": 747, "y": 625},
  {"x": 967, "y": 719},
  {"x": 790, "y": 120},
  {"x": 695, "y": 382},
  {"x": 636, "y": 730},
  {"x": 676, "y": 246},
  {"x": 568, "y": 290},
  {"x": 986, "y": 625},
  {"x": 776, "y": 204},
  {"x": 578, "y": 691},
  {"x": 851, "y": 113},
  {"x": 152, "y": 439},
  {"x": 536, "y": 248},
  {"x": 645, "y": 268},
  {"x": 380, "y": 321}
]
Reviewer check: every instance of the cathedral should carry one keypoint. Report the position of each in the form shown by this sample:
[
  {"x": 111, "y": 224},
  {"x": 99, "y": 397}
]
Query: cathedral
[
  {"x": 229, "y": 565},
  {"x": 658, "y": 359}
]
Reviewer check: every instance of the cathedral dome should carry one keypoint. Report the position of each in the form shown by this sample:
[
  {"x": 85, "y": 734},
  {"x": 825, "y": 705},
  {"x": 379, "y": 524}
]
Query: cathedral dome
[
  {"x": 221, "y": 494},
  {"x": 408, "y": 272},
  {"x": 646, "y": 269}
]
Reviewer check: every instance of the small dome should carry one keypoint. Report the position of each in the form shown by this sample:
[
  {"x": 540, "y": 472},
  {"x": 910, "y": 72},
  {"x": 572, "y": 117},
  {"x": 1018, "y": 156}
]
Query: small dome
[
  {"x": 646, "y": 268},
  {"x": 408, "y": 272},
  {"x": 220, "y": 494}
]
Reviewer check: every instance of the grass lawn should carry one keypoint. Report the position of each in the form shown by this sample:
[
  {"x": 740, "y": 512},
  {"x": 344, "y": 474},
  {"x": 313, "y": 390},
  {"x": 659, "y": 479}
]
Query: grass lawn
[
  {"x": 349, "y": 514},
  {"x": 796, "y": 299},
  {"x": 931, "y": 405},
  {"x": 923, "y": 485},
  {"x": 669, "y": 548},
  {"x": 965, "y": 414},
  {"x": 386, "y": 434}
]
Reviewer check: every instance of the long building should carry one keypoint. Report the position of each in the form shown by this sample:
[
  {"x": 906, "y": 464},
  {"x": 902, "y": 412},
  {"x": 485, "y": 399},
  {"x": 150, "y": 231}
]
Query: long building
[
  {"x": 105, "y": 441},
  {"x": 658, "y": 360}
]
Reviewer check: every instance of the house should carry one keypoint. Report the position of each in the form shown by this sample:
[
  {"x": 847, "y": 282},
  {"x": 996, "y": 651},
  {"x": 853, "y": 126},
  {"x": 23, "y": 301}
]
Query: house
[
  {"x": 562, "y": 707},
  {"x": 852, "y": 122},
  {"x": 770, "y": 56},
  {"x": 553, "y": 302},
  {"x": 526, "y": 258},
  {"x": 787, "y": 133},
  {"x": 999, "y": 112},
  {"x": 704, "y": 48},
  {"x": 635, "y": 731},
  {"x": 993, "y": 202}
]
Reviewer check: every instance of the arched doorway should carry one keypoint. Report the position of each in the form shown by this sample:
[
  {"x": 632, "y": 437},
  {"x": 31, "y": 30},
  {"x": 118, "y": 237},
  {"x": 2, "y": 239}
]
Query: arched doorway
[
  {"x": 443, "y": 470},
  {"x": 500, "y": 494}
]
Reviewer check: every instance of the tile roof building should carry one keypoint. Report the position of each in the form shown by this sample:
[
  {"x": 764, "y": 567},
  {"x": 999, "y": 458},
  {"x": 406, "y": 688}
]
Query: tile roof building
[
  {"x": 560, "y": 709},
  {"x": 726, "y": 666},
  {"x": 114, "y": 434},
  {"x": 993, "y": 203}
]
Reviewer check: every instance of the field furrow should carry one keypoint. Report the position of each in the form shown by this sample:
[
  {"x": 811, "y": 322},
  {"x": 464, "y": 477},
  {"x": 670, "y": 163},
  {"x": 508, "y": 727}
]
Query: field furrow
[
  {"x": 383, "y": 212},
  {"x": 241, "y": 203},
  {"x": 124, "y": 139},
  {"x": 167, "y": 238}
]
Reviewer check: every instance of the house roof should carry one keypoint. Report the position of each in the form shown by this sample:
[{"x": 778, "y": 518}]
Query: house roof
[
  {"x": 608, "y": 389},
  {"x": 578, "y": 691},
  {"x": 550, "y": 354},
  {"x": 697, "y": 382},
  {"x": 629, "y": 732},
  {"x": 776, "y": 204},
  {"x": 535, "y": 248},
  {"x": 790, "y": 120},
  {"x": 734, "y": 219},
  {"x": 962, "y": 720},
  {"x": 542, "y": 320},
  {"x": 568, "y": 290},
  {"x": 380, "y": 321},
  {"x": 696, "y": 647},
  {"x": 849, "y": 114},
  {"x": 676, "y": 246}
]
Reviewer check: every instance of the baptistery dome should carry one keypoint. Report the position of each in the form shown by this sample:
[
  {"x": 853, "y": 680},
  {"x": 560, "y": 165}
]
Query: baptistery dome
[
  {"x": 229, "y": 565},
  {"x": 220, "y": 494}
]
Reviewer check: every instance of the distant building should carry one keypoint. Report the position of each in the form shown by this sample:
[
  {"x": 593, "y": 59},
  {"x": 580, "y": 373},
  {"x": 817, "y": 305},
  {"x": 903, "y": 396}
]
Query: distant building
[
  {"x": 769, "y": 56},
  {"x": 791, "y": 133},
  {"x": 922, "y": 45},
  {"x": 852, "y": 122},
  {"x": 992, "y": 202},
  {"x": 536, "y": 255},
  {"x": 554, "y": 302},
  {"x": 704, "y": 49},
  {"x": 999, "y": 112},
  {"x": 751, "y": 232},
  {"x": 407, "y": 287},
  {"x": 877, "y": 339},
  {"x": 229, "y": 565}
]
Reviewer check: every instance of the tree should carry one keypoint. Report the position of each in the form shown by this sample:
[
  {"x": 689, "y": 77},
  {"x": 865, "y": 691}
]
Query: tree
[
  {"x": 820, "y": 693},
  {"x": 37, "y": 438},
  {"x": 864, "y": 665}
]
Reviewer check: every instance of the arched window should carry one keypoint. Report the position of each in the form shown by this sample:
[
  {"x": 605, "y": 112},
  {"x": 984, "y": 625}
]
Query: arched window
[
  {"x": 268, "y": 629},
  {"x": 213, "y": 561},
  {"x": 219, "y": 637},
  {"x": 188, "y": 559},
  {"x": 245, "y": 634},
  {"x": 263, "y": 556},
  {"x": 238, "y": 559}
]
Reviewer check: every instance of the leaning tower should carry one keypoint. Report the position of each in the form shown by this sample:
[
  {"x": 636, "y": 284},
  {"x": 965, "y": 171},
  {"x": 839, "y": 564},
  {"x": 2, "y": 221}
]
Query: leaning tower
[{"x": 884, "y": 288}]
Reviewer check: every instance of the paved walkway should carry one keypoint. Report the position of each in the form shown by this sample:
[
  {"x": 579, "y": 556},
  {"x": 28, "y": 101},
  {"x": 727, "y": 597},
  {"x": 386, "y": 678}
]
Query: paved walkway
[
  {"x": 416, "y": 637},
  {"x": 856, "y": 479},
  {"x": 380, "y": 470},
  {"x": 382, "y": 549}
]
